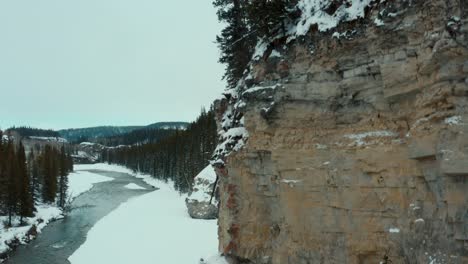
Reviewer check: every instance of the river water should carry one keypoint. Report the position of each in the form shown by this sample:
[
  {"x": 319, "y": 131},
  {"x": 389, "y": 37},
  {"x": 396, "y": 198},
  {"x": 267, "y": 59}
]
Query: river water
[{"x": 61, "y": 238}]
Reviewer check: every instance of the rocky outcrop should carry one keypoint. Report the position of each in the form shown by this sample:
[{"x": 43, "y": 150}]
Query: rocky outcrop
[
  {"x": 88, "y": 153},
  {"x": 357, "y": 147},
  {"x": 202, "y": 203}
]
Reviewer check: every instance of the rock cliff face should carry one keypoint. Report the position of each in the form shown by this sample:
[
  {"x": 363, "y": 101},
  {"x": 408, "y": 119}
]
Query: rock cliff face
[{"x": 357, "y": 148}]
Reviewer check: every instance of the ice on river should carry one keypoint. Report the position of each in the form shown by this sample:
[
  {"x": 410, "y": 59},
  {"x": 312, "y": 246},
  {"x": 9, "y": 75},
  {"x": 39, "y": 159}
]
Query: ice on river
[{"x": 133, "y": 186}]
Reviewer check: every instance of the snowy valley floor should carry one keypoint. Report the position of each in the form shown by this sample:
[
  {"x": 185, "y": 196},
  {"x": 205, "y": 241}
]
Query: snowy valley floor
[{"x": 152, "y": 228}]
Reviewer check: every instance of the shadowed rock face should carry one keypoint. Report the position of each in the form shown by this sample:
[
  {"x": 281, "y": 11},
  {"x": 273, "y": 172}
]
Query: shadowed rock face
[{"x": 362, "y": 155}]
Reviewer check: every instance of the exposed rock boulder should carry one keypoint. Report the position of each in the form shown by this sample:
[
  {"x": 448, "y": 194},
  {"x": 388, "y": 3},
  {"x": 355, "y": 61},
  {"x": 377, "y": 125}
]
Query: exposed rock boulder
[
  {"x": 87, "y": 152},
  {"x": 198, "y": 203}
]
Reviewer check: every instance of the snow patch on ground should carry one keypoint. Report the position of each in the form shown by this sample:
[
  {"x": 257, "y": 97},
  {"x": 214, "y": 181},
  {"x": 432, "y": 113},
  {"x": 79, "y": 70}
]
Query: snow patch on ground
[
  {"x": 50, "y": 139},
  {"x": 87, "y": 144},
  {"x": 133, "y": 186},
  {"x": 82, "y": 181},
  {"x": 103, "y": 167},
  {"x": 160, "y": 227},
  {"x": 394, "y": 230},
  {"x": 117, "y": 168},
  {"x": 45, "y": 214}
]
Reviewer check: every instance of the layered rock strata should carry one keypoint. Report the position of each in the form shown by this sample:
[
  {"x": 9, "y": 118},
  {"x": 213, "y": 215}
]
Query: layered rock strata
[{"x": 357, "y": 148}]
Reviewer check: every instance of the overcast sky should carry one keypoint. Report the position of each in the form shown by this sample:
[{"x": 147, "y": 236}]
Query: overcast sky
[{"x": 80, "y": 63}]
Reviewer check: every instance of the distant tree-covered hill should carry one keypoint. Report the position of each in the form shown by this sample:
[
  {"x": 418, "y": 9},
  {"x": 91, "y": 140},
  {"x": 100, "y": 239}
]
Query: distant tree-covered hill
[
  {"x": 89, "y": 133},
  {"x": 169, "y": 125},
  {"x": 93, "y": 133},
  {"x": 33, "y": 132},
  {"x": 139, "y": 136},
  {"x": 179, "y": 156}
]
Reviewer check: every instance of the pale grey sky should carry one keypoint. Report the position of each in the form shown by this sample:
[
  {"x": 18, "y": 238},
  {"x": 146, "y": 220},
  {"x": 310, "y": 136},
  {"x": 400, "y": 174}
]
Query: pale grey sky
[{"x": 79, "y": 63}]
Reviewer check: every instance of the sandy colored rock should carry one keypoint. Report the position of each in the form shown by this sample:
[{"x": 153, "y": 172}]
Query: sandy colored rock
[{"x": 363, "y": 154}]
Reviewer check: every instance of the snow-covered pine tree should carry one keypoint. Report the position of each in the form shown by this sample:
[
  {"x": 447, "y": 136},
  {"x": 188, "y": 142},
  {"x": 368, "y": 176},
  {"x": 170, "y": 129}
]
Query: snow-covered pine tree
[
  {"x": 34, "y": 174},
  {"x": 236, "y": 41},
  {"x": 25, "y": 197},
  {"x": 50, "y": 173},
  {"x": 63, "y": 177},
  {"x": 11, "y": 172}
]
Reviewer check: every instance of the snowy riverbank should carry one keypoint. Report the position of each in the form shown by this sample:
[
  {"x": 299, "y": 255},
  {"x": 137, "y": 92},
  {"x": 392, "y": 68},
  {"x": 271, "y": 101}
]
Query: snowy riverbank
[
  {"x": 79, "y": 182},
  {"x": 152, "y": 228}
]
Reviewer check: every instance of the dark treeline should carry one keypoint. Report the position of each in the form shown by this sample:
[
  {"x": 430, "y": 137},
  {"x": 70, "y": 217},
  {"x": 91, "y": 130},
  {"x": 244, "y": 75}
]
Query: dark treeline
[
  {"x": 26, "y": 181},
  {"x": 247, "y": 22},
  {"x": 178, "y": 157},
  {"x": 146, "y": 135},
  {"x": 34, "y": 132}
]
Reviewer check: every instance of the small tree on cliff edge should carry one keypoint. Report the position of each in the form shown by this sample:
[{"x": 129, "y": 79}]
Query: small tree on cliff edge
[
  {"x": 236, "y": 42},
  {"x": 268, "y": 18}
]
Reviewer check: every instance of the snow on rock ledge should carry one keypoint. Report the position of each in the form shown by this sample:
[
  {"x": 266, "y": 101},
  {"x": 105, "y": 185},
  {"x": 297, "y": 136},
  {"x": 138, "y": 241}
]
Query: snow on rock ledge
[
  {"x": 313, "y": 13},
  {"x": 198, "y": 202}
]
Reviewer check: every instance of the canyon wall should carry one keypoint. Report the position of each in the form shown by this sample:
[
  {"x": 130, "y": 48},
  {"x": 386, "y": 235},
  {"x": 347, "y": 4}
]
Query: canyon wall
[{"x": 356, "y": 143}]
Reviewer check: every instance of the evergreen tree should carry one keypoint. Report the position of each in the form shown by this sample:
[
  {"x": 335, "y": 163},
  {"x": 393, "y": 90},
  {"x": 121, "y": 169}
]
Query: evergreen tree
[
  {"x": 34, "y": 173},
  {"x": 21, "y": 178},
  {"x": 69, "y": 162},
  {"x": 29, "y": 132},
  {"x": 12, "y": 177},
  {"x": 63, "y": 177},
  {"x": 178, "y": 157},
  {"x": 25, "y": 197},
  {"x": 247, "y": 22},
  {"x": 49, "y": 172},
  {"x": 270, "y": 17},
  {"x": 3, "y": 177},
  {"x": 236, "y": 41}
]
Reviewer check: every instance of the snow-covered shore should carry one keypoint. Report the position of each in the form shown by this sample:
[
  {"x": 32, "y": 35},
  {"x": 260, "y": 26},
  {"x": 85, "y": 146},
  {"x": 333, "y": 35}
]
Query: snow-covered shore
[
  {"x": 23, "y": 234},
  {"x": 79, "y": 182},
  {"x": 152, "y": 228},
  {"x": 82, "y": 181}
]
